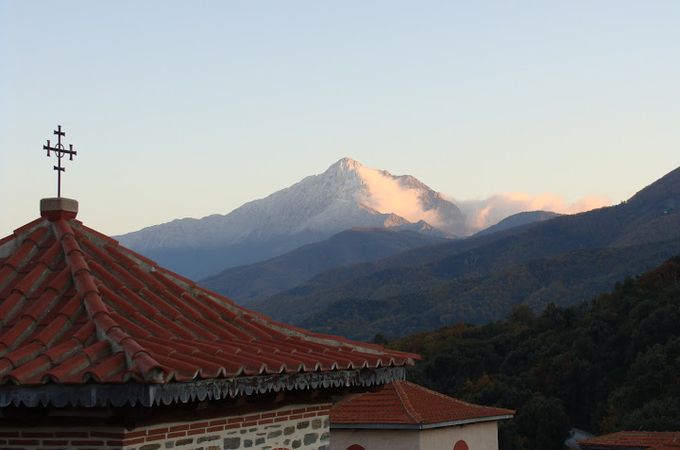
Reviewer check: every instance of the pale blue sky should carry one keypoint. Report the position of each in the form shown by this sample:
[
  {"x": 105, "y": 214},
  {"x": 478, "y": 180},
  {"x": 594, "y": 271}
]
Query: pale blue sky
[{"x": 182, "y": 108}]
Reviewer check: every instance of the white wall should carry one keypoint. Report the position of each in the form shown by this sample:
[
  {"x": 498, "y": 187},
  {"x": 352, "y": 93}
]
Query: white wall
[
  {"x": 376, "y": 439},
  {"x": 479, "y": 436}
]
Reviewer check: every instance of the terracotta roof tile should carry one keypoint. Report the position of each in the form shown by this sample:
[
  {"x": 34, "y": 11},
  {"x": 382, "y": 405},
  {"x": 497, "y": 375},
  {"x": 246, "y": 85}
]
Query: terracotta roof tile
[
  {"x": 675, "y": 445},
  {"x": 76, "y": 307},
  {"x": 656, "y": 440},
  {"x": 403, "y": 403}
]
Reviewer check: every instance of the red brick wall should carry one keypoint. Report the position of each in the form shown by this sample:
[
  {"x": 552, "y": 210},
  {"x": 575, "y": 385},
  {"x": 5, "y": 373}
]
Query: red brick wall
[{"x": 302, "y": 427}]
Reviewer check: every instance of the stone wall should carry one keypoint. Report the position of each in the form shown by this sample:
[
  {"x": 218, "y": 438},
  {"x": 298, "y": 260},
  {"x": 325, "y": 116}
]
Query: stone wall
[{"x": 299, "y": 427}]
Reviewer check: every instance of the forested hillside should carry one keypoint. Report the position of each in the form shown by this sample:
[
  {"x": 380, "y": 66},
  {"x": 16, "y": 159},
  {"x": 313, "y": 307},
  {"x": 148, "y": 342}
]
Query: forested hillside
[{"x": 608, "y": 364}]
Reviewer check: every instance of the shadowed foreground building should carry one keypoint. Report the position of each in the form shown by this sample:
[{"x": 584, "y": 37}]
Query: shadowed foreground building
[
  {"x": 100, "y": 347},
  {"x": 406, "y": 416}
]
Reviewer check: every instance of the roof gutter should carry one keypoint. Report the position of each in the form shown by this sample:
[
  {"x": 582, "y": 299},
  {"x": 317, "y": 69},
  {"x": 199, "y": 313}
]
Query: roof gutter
[{"x": 147, "y": 395}]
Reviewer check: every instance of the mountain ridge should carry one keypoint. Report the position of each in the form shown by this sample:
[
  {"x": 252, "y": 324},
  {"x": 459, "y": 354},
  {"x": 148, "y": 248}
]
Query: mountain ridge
[
  {"x": 519, "y": 219},
  {"x": 259, "y": 280},
  {"x": 424, "y": 276}
]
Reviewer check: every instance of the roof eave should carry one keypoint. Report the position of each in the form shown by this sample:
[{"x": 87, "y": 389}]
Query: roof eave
[
  {"x": 101, "y": 395},
  {"x": 419, "y": 426}
]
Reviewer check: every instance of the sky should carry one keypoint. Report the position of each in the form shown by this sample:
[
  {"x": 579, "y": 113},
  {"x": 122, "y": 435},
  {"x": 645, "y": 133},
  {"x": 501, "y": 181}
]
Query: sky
[{"x": 185, "y": 109}]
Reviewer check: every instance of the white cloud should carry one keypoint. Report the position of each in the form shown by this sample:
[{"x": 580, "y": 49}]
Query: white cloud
[
  {"x": 481, "y": 214},
  {"x": 387, "y": 195}
]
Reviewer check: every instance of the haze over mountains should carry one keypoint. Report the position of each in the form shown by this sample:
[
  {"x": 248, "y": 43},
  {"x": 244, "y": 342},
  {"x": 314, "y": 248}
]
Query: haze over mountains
[
  {"x": 347, "y": 195},
  {"x": 564, "y": 260}
]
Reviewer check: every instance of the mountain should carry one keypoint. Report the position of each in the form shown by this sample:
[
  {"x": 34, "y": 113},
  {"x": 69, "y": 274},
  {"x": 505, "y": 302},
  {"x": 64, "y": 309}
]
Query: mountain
[
  {"x": 260, "y": 280},
  {"x": 518, "y": 220},
  {"x": 479, "y": 279},
  {"x": 345, "y": 196}
]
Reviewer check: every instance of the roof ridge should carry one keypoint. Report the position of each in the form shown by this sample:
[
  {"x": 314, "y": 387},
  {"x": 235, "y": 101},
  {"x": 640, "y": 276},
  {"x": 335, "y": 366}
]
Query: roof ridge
[
  {"x": 287, "y": 329},
  {"x": 241, "y": 311},
  {"x": 406, "y": 403},
  {"x": 106, "y": 327},
  {"x": 9, "y": 242}
]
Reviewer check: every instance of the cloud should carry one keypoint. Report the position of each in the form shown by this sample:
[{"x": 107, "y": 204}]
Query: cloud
[
  {"x": 481, "y": 214},
  {"x": 387, "y": 195}
]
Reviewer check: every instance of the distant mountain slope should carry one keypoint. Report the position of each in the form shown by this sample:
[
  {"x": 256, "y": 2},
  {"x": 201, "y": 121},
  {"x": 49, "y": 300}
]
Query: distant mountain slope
[
  {"x": 518, "y": 220},
  {"x": 482, "y": 277},
  {"x": 260, "y": 280},
  {"x": 563, "y": 280},
  {"x": 345, "y": 196}
]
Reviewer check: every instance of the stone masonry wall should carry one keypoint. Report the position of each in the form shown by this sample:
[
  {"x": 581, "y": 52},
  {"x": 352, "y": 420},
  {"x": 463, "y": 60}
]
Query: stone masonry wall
[{"x": 301, "y": 427}]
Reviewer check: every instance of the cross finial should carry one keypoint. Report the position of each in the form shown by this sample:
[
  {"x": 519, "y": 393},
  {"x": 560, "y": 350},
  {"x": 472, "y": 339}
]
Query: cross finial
[{"x": 60, "y": 150}]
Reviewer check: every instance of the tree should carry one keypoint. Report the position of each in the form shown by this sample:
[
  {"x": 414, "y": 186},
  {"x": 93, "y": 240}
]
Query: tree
[{"x": 544, "y": 423}]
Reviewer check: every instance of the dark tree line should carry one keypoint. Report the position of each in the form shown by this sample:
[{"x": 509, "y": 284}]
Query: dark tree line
[{"x": 609, "y": 364}]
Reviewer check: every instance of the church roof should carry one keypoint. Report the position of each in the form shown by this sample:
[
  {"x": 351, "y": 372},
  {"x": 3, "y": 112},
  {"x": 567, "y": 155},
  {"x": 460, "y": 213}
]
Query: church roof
[
  {"x": 402, "y": 404},
  {"x": 77, "y": 308},
  {"x": 652, "y": 440}
]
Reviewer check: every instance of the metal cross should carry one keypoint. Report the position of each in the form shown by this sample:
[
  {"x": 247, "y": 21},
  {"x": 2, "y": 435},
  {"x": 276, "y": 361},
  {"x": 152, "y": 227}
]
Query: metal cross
[{"x": 60, "y": 150}]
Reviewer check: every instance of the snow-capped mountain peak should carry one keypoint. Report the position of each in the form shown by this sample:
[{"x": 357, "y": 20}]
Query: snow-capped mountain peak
[
  {"x": 344, "y": 165},
  {"x": 346, "y": 195}
]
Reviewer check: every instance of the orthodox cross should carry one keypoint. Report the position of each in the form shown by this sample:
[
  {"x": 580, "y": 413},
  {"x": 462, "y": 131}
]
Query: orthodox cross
[{"x": 60, "y": 150}]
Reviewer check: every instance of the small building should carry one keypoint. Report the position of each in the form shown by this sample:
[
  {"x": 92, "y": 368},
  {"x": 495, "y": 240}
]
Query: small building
[
  {"x": 102, "y": 348},
  {"x": 403, "y": 415},
  {"x": 634, "y": 440}
]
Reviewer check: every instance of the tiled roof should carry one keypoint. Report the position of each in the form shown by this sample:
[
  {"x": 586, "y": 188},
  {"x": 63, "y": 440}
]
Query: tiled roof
[
  {"x": 666, "y": 446},
  {"x": 408, "y": 404},
  {"x": 656, "y": 440},
  {"x": 76, "y": 307}
]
